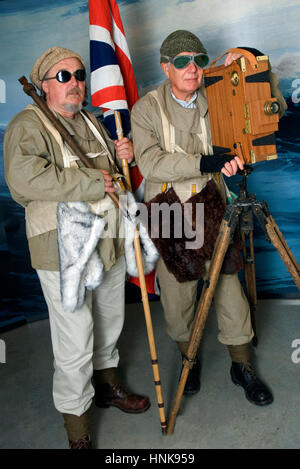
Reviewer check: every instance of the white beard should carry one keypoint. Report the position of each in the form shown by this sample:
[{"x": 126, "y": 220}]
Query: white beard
[{"x": 74, "y": 108}]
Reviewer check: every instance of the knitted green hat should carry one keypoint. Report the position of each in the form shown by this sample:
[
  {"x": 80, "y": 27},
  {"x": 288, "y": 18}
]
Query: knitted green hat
[{"x": 180, "y": 41}]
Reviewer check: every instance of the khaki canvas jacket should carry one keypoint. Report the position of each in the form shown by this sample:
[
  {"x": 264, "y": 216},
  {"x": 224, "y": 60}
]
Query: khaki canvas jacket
[
  {"x": 180, "y": 169},
  {"x": 34, "y": 171}
]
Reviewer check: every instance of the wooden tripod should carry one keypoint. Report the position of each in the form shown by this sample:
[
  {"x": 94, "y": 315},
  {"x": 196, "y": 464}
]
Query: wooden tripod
[{"x": 239, "y": 213}]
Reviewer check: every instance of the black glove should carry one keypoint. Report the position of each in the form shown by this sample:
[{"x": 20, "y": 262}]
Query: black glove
[{"x": 214, "y": 163}]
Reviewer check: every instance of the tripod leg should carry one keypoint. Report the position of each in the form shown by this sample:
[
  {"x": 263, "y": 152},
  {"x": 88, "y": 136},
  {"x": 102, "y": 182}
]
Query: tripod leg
[
  {"x": 284, "y": 247},
  {"x": 250, "y": 279},
  {"x": 279, "y": 242},
  {"x": 209, "y": 286}
]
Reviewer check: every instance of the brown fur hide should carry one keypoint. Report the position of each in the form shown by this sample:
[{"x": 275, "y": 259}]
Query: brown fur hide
[{"x": 188, "y": 264}]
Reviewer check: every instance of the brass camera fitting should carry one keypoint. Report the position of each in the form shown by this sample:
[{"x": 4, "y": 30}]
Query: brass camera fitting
[{"x": 271, "y": 107}]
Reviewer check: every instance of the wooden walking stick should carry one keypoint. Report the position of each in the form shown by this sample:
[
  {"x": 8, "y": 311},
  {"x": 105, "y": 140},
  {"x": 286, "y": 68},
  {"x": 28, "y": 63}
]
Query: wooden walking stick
[
  {"x": 145, "y": 299},
  {"x": 125, "y": 166}
]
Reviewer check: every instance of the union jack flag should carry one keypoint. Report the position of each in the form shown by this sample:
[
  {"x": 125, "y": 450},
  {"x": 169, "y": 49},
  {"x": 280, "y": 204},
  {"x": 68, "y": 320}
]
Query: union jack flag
[{"x": 113, "y": 84}]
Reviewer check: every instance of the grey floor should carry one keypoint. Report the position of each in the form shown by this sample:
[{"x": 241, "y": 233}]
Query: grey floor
[{"x": 218, "y": 417}]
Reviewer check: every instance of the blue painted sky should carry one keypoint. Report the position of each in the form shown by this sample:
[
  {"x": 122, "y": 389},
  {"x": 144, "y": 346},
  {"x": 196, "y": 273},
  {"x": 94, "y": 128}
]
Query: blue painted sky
[
  {"x": 30, "y": 6},
  {"x": 29, "y": 27}
]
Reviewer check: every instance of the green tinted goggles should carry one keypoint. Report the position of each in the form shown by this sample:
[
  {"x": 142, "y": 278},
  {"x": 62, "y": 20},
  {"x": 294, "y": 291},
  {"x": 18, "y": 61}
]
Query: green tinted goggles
[{"x": 182, "y": 61}]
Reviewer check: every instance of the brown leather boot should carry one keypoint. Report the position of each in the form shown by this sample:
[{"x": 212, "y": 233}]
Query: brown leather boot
[
  {"x": 78, "y": 431},
  {"x": 83, "y": 443},
  {"x": 109, "y": 392}
]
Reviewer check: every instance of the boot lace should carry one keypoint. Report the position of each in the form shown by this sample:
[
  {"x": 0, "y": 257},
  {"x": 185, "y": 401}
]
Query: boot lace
[
  {"x": 249, "y": 368},
  {"x": 83, "y": 443}
]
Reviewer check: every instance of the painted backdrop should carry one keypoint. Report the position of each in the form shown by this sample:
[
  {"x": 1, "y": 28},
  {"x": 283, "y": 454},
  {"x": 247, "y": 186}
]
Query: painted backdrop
[{"x": 29, "y": 27}]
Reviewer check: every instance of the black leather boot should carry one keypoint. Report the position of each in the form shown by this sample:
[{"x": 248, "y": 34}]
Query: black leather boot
[
  {"x": 192, "y": 385},
  {"x": 242, "y": 374}
]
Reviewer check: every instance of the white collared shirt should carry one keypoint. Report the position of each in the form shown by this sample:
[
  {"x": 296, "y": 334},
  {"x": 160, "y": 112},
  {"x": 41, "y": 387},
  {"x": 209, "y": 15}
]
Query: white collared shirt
[{"x": 186, "y": 104}]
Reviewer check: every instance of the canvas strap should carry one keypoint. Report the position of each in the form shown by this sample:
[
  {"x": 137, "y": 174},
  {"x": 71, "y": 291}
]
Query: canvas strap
[
  {"x": 36, "y": 221},
  {"x": 169, "y": 138}
]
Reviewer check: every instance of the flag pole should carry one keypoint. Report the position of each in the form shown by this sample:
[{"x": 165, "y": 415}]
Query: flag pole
[
  {"x": 125, "y": 167},
  {"x": 145, "y": 299}
]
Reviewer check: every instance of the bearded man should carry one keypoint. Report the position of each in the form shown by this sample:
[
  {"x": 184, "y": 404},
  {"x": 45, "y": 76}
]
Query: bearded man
[{"x": 41, "y": 172}]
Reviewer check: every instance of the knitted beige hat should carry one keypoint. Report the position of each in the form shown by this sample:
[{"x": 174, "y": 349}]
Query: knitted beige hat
[
  {"x": 180, "y": 41},
  {"x": 47, "y": 60}
]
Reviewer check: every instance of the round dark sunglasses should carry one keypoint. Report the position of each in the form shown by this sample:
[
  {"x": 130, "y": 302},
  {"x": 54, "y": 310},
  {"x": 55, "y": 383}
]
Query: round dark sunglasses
[
  {"x": 182, "y": 61},
  {"x": 63, "y": 76}
]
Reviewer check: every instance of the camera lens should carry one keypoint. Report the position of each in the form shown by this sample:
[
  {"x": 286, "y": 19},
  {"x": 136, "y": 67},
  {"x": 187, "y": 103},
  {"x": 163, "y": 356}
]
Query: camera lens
[
  {"x": 271, "y": 107},
  {"x": 275, "y": 107}
]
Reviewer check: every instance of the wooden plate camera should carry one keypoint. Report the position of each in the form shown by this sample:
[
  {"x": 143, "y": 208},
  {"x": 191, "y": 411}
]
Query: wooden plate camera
[{"x": 243, "y": 114}]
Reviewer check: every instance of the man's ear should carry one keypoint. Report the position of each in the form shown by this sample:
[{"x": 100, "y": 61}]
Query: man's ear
[
  {"x": 45, "y": 86},
  {"x": 165, "y": 67}
]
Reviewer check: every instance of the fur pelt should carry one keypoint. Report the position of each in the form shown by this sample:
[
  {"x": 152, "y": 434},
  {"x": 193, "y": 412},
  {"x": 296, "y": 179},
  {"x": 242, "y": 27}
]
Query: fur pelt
[
  {"x": 79, "y": 231},
  {"x": 150, "y": 254},
  {"x": 188, "y": 264}
]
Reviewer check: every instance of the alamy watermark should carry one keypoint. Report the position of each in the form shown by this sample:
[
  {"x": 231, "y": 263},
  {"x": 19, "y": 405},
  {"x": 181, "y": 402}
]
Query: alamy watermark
[
  {"x": 2, "y": 351},
  {"x": 296, "y": 353},
  {"x": 296, "y": 92},
  {"x": 2, "y": 91},
  {"x": 179, "y": 221}
]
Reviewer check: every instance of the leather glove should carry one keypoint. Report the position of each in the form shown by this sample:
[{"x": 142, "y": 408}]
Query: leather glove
[{"x": 214, "y": 163}]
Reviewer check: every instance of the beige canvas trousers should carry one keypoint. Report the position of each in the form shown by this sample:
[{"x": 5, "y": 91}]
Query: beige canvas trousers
[
  {"x": 85, "y": 340},
  {"x": 230, "y": 302}
]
